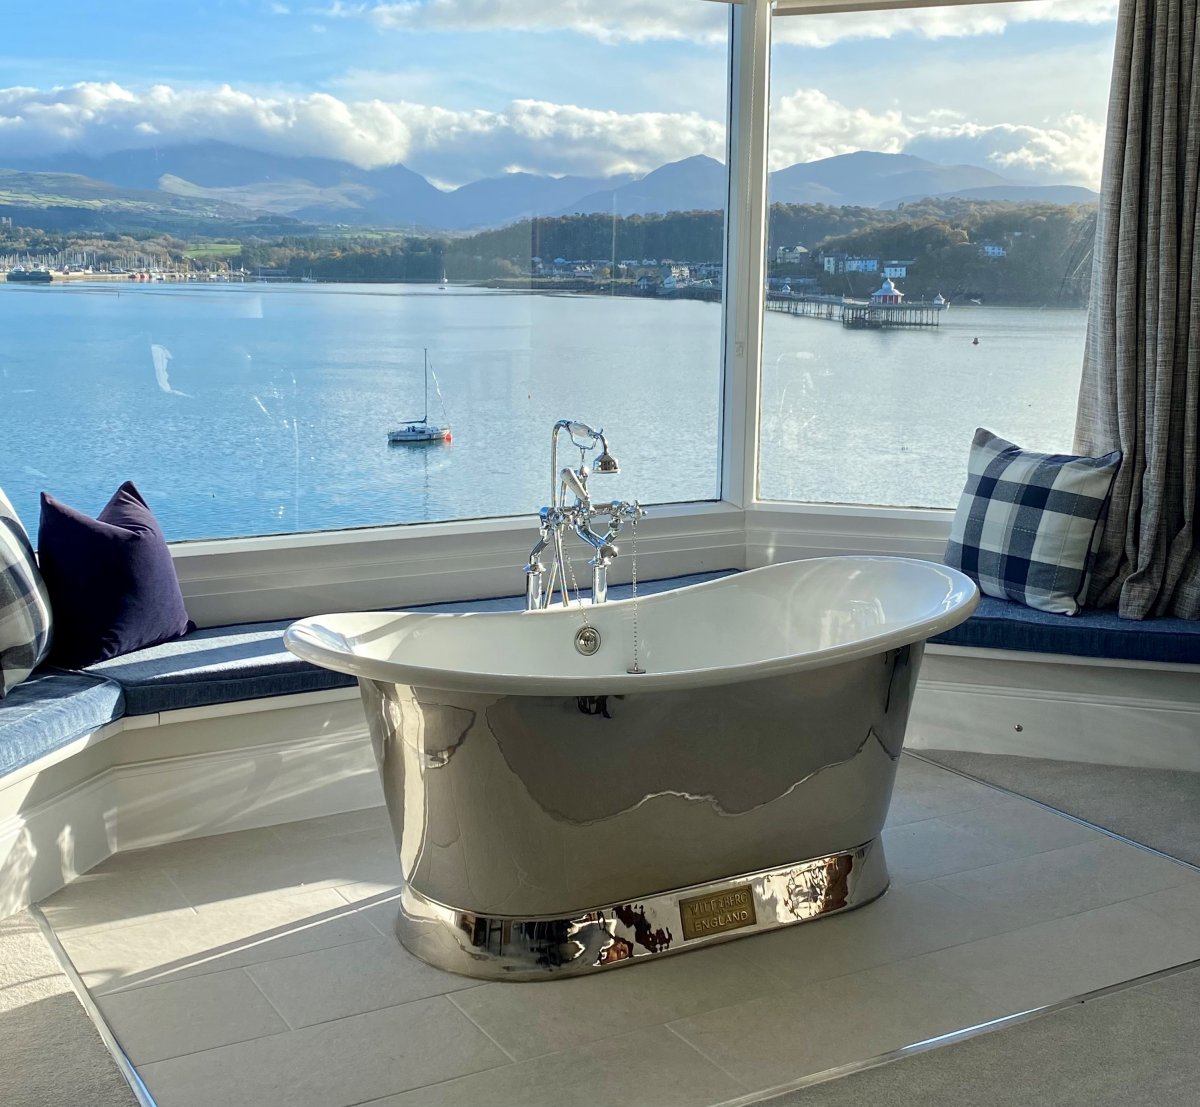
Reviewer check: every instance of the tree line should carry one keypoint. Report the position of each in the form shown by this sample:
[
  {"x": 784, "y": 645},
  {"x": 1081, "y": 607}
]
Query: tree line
[{"x": 1047, "y": 247}]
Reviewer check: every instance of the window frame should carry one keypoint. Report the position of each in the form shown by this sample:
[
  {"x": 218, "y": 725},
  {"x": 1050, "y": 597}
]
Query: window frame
[{"x": 284, "y": 576}]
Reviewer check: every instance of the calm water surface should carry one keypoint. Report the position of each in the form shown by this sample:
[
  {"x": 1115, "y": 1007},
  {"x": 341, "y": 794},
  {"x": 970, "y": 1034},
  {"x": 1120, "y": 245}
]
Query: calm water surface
[{"x": 260, "y": 409}]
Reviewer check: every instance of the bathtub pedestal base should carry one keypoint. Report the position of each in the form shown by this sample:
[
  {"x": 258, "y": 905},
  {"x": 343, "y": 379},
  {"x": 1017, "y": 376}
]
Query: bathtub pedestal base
[{"x": 504, "y": 948}]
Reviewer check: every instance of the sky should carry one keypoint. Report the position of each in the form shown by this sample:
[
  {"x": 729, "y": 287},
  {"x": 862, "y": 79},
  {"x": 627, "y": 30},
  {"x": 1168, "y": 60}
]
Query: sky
[{"x": 462, "y": 89}]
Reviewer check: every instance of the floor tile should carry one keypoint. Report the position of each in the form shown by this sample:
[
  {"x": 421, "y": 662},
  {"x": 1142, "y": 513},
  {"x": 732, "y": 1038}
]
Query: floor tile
[
  {"x": 1178, "y": 906},
  {"x": 296, "y": 865},
  {"x": 330, "y": 826},
  {"x": 1002, "y": 830},
  {"x": 536, "y": 1018},
  {"x": 774, "y": 1040},
  {"x": 905, "y": 922},
  {"x": 214, "y": 938},
  {"x": 1065, "y": 881},
  {"x": 924, "y": 791},
  {"x": 1023, "y": 826},
  {"x": 186, "y": 1016},
  {"x": 349, "y": 979},
  {"x": 333, "y": 1064},
  {"x": 935, "y": 847},
  {"x": 236, "y": 843},
  {"x": 113, "y": 897},
  {"x": 645, "y": 1068},
  {"x": 380, "y": 911},
  {"x": 1065, "y": 957}
]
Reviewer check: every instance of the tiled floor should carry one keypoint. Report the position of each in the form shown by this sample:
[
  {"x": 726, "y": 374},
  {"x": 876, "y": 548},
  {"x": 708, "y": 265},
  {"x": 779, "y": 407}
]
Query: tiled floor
[{"x": 260, "y": 968}]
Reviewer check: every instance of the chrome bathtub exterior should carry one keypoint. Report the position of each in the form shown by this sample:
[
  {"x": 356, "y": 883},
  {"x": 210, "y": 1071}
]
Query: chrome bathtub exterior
[
  {"x": 503, "y": 948},
  {"x": 523, "y": 810}
]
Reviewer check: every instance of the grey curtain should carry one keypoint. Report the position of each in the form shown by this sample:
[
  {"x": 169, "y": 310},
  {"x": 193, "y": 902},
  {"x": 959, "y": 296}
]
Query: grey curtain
[{"x": 1140, "y": 391}]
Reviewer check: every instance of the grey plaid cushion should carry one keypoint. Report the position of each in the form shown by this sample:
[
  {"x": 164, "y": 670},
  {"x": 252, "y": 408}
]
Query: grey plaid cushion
[
  {"x": 24, "y": 604},
  {"x": 1028, "y": 525}
]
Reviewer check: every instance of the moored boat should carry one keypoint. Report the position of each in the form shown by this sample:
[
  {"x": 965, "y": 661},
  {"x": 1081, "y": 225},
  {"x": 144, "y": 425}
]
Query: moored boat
[
  {"x": 35, "y": 276},
  {"x": 422, "y": 430}
]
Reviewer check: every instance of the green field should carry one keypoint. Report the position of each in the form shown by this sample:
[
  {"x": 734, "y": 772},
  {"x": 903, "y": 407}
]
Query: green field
[{"x": 213, "y": 249}]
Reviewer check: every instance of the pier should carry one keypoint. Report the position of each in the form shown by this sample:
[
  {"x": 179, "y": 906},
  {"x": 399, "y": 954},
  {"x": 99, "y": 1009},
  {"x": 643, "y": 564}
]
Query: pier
[{"x": 858, "y": 314}]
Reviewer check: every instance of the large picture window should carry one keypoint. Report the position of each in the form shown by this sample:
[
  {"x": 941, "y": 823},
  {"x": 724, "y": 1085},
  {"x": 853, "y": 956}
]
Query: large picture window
[
  {"x": 231, "y": 288},
  {"x": 933, "y": 177}
]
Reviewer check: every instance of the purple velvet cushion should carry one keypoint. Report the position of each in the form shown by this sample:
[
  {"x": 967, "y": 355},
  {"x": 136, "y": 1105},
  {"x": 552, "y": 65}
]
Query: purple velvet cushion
[{"x": 111, "y": 580}]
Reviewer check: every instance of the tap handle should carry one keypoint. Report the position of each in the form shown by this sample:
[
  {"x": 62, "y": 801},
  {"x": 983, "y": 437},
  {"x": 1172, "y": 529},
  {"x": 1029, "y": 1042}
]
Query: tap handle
[{"x": 575, "y": 483}]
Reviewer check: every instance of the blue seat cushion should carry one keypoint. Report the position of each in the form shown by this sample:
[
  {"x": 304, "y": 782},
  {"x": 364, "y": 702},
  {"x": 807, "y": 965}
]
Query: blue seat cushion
[
  {"x": 50, "y": 710},
  {"x": 215, "y": 665},
  {"x": 1003, "y": 625},
  {"x": 225, "y": 664}
]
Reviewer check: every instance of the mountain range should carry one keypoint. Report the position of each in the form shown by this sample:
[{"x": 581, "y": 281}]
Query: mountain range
[{"x": 223, "y": 178}]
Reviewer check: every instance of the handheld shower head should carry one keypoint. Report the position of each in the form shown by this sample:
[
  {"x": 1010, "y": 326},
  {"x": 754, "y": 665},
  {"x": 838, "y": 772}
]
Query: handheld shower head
[{"x": 606, "y": 463}]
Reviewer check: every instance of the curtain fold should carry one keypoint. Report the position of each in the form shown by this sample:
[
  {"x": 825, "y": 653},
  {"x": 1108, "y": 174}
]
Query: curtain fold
[{"x": 1140, "y": 390}]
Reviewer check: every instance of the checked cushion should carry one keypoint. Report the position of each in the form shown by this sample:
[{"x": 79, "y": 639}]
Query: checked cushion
[
  {"x": 24, "y": 605},
  {"x": 1028, "y": 524}
]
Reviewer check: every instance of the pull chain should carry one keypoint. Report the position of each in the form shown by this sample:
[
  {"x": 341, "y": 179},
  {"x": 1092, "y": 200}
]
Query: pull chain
[
  {"x": 575, "y": 588},
  {"x": 635, "y": 668}
]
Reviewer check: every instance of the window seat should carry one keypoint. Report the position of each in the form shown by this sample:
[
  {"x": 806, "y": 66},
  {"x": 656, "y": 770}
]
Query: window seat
[
  {"x": 50, "y": 710},
  {"x": 1003, "y": 625},
  {"x": 217, "y": 665},
  {"x": 1090, "y": 687}
]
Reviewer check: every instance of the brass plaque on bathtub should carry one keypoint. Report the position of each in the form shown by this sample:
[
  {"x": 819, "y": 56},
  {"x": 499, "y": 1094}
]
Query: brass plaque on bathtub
[{"x": 717, "y": 912}]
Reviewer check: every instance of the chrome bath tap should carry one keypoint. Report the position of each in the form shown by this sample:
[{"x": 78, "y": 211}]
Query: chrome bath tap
[{"x": 555, "y": 519}]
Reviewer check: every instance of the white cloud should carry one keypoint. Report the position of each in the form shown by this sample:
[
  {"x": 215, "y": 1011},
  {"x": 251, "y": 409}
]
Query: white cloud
[
  {"x": 1069, "y": 151},
  {"x": 694, "y": 21},
  {"x": 606, "y": 20},
  {"x": 452, "y": 145},
  {"x": 955, "y": 21},
  {"x": 456, "y": 146},
  {"x": 808, "y": 125}
]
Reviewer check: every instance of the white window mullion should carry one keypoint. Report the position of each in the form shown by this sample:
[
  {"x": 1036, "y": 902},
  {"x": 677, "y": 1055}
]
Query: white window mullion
[{"x": 745, "y": 247}]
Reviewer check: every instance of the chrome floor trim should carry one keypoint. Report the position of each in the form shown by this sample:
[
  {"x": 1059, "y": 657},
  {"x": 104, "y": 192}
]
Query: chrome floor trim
[
  {"x": 140, "y": 1092},
  {"x": 500, "y": 947},
  {"x": 1052, "y": 809},
  {"x": 953, "y": 1036}
]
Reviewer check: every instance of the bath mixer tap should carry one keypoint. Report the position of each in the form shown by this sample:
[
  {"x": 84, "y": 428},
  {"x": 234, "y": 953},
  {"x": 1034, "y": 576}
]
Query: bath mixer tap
[{"x": 558, "y": 517}]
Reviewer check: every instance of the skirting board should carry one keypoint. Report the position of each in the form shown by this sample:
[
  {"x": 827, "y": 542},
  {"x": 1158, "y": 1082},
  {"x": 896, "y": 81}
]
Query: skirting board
[
  {"x": 1137, "y": 715},
  {"x": 256, "y": 777}
]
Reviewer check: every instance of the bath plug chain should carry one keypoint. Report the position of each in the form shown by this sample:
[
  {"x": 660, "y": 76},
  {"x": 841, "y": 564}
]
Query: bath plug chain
[
  {"x": 635, "y": 668},
  {"x": 587, "y": 626}
]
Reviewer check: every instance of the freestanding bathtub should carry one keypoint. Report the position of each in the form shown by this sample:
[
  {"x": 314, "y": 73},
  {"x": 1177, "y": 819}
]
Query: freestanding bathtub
[{"x": 557, "y": 814}]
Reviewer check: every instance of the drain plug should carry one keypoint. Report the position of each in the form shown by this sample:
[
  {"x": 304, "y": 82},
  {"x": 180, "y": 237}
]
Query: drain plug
[{"x": 587, "y": 640}]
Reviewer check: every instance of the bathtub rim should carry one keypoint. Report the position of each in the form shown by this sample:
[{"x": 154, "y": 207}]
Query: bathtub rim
[{"x": 302, "y": 641}]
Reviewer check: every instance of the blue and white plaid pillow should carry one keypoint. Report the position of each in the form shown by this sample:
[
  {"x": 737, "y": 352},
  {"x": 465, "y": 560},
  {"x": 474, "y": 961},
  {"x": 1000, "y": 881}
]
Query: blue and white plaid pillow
[
  {"x": 1028, "y": 525},
  {"x": 24, "y": 604}
]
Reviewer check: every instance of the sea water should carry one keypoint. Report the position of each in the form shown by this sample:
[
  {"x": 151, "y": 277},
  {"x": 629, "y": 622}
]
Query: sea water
[{"x": 264, "y": 408}]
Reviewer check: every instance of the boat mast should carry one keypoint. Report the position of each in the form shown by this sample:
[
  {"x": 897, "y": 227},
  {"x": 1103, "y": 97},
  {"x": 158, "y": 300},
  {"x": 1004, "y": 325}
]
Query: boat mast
[{"x": 426, "y": 419}]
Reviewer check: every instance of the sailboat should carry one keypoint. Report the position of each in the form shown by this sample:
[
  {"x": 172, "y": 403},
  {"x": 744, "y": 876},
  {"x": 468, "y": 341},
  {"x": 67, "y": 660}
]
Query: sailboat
[{"x": 422, "y": 430}]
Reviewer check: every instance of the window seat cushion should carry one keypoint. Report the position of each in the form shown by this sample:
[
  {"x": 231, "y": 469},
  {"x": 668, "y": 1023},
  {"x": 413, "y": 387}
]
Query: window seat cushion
[
  {"x": 226, "y": 664},
  {"x": 50, "y": 710},
  {"x": 1004, "y": 625}
]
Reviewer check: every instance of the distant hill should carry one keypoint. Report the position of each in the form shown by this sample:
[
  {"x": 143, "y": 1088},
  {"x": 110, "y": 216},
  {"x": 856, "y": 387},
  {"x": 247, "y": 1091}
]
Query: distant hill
[
  {"x": 495, "y": 201},
  {"x": 693, "y": 184},
  {"x": 63, "y": 201},
  {"x": 871, "y": 180},
  {"x": 1012, "y": 193},
  {"x": 217, "y": 177}
]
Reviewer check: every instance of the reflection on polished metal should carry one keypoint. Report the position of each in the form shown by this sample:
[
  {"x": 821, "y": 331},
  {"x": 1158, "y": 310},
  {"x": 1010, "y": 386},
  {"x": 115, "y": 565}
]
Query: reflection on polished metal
[
  {"x": 495, "y": 947},
  {"x": 557, "y": 518},
  {"x": 555, "y": 814}
]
